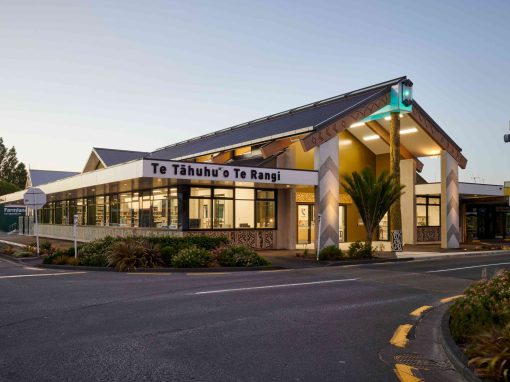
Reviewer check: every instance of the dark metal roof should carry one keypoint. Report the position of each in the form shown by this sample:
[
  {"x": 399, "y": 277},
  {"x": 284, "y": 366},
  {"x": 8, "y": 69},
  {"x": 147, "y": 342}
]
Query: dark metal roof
[
  {"x": 111, "y": 157},
  {"x": 284, "y": 123},
  {"x": 39, "y": 177}
]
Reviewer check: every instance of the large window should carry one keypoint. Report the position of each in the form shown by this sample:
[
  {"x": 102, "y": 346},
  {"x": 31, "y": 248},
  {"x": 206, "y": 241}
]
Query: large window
[
  {"x": 265, "y": 209},
  {"x": 226, "y": 208},
  {"x": 245, "y": 208},
  {"x": 101, "y": 203},
  {"x": 125, "y": 209},
  {"x": 428, "y": 211},
  {"x": 114, "y": 210},
  {"x": 223, "y": 208}
]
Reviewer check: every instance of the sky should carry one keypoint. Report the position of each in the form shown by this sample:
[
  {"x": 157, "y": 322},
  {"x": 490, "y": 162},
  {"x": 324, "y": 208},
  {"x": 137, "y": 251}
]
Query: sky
[{"x": 140, "y": 75}]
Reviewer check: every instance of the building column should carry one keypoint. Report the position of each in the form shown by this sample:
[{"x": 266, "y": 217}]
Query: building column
[
  {"x": 327, "y": 193},
  {"x": 450, "y": 233},
  {"x": 286, "y": 236},
  {"x": 408, "y": 200}
]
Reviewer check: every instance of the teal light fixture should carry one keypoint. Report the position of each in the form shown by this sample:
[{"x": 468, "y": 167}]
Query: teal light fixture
[{"x": 406, "y": 93}]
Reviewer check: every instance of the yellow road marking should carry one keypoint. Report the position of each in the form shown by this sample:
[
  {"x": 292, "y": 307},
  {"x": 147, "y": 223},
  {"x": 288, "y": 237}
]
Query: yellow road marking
[
  {"x": 405, "y": 373},
  {"x": 207, "y": 273},
  {"x": 399, "y": 338},
  {"x": 149, "y": 273},
  {"x": 418, "y": 312},
  {"x": 448, "y": 299}
]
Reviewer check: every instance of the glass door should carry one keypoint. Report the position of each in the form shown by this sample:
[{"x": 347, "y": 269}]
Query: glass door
[
  {"x": 305, "y": 224},
  {"x": 341, "y": 224}
]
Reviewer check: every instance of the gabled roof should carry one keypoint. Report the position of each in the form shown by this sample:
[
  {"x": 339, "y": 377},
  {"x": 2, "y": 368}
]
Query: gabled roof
[
  {"x": 111, "y": 157},
  {"x": 102, "y": 158},
  {"x": 291, "y": 122},
  {"x": 39, "y": 177}
]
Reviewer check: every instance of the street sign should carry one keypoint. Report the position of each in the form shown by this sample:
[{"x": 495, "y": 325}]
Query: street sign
[{"x": 34, "y": 198}]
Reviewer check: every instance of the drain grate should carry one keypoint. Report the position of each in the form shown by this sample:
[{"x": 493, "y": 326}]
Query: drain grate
[{"x": 416, "y": 360}]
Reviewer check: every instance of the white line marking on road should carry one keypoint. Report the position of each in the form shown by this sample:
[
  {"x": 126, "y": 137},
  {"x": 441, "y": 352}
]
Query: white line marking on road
[
  {"x": 274, "y": 286},
  {"x": 33, "y": 269},
  {"x": 42, "y": 274},
  {"x": 473, "y": 266}
]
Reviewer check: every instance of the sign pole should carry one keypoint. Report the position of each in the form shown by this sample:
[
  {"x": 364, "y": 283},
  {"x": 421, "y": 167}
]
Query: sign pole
[
  {"x": 75, "y": 223},
  {"x": 36, "y": 227},
  {"x": 34, "y": 198},
  {"x": 319, "y": 236}
]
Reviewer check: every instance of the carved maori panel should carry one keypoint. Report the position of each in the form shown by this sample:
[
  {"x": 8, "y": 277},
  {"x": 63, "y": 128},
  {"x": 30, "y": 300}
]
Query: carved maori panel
[
  {"x": 363, "y": 110},
  {"x": 257, "y": 239},
  {"x": 426, "y": 234},
  {"x": 427, "y": 124}
]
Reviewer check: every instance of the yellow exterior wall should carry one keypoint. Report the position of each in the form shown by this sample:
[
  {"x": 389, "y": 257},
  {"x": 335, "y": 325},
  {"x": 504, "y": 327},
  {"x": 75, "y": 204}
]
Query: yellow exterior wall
[{"x": 354, "y": 157}]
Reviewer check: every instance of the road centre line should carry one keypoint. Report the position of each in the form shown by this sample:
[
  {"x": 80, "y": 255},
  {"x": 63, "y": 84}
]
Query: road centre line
[
  {"x": 418, "y": 312},
  {"x": 470, "y": 267},
  {"x": 273, "y": 286},
  {"x": 405, "y": 373},
  {"x": 448, "y": 299},
  {"x": 399, "y": 338},
  {"x": 42, "y": 274}
]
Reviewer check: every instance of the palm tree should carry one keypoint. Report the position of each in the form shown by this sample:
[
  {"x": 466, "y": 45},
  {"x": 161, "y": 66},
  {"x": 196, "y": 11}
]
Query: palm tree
[{"x": 373, "y": 196}]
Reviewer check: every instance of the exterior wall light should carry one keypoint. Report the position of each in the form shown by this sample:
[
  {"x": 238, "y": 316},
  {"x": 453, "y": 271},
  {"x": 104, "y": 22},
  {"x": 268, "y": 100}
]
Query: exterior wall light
[{"x": 406, "y": 93}]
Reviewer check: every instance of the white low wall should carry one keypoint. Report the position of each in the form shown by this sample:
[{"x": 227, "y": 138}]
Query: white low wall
[
  {"x": 89, "y": 233},
  {"x": 258, "y": 239}
]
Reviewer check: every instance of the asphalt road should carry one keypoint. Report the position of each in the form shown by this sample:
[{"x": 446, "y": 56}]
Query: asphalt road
[{"x": 317, "y": 324}]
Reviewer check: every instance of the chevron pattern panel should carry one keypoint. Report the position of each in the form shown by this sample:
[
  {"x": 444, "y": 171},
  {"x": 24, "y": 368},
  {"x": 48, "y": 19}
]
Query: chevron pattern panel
[
  {"x": 328, "y": 192},
  {"x": 450, "y": 233}
]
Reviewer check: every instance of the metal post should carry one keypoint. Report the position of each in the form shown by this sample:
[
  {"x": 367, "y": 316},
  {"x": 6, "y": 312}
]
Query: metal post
[
  {"x": 75, "y": 223},
  {"x": 36, "y": 227},
  {"x": 319, "y": 236}
]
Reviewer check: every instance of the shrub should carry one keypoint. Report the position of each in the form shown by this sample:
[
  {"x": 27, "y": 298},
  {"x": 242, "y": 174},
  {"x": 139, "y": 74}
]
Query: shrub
[
  {"x": 331, "y": 252},
  {"x": 206, "y": 242},
  {"x": 71, "y": 260},
  {"x": 51, "y": 258},
  {"x": 168, "y": 252},
  {"x": 60, "y": 259},
  {"x": 192, "y": 257},
  {"x": 45, "y": 245},
  {"x": 240, "y": 256},
  {"x": 358, "y": 249},
  {"x": 101, "y": 246},
  {"x": 23, "y": 254},
  {"x": 133, "y": 253},
  {"x": 489, "y": 354},
  {"x": 93, "y": 260},
  {"x": 485, "y": 304},
  {"x": 8, "y": 250}
]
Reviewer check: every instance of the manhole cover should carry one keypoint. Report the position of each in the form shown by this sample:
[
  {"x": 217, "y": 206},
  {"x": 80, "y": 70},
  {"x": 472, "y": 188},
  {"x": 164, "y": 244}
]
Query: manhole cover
[{"x": 415, "y": 360}]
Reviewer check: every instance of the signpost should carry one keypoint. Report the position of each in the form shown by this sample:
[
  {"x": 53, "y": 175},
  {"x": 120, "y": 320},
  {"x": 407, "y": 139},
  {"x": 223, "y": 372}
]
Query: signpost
[
  {"x": 75, "y": 223},
  {"x": 35, "y": 198}
]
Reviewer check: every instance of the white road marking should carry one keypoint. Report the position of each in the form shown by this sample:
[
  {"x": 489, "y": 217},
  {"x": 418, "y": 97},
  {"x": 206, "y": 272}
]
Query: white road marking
[
  {"x": 33, "y": 269},
  {"x": 473, "y": 266},
  {"x": 42, "y": 274},
  {"x": 274, "y": 286}
]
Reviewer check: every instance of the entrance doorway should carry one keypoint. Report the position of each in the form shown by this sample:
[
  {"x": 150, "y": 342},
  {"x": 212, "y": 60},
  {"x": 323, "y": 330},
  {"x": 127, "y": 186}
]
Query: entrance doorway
[{"x": 306, "y": 224}]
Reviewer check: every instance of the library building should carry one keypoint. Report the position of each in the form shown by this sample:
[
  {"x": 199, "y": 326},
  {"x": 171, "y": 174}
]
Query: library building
[{"x": 266, "y": 182}]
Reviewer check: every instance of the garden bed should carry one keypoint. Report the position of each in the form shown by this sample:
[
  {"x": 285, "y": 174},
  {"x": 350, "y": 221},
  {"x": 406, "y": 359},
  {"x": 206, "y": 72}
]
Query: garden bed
[
  {"x": 162, "y": 253},
  {"x": 480, "y": 325}
]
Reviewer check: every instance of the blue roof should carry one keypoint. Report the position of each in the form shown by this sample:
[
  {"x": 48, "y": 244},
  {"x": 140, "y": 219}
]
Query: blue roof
[
  {"x": 285, "y": 123},
  {"x": 39, "y": 177},
  {"x": 111, "y": 157}
]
